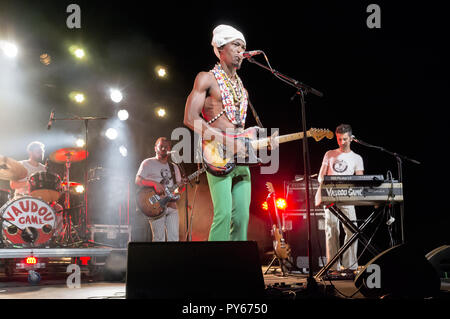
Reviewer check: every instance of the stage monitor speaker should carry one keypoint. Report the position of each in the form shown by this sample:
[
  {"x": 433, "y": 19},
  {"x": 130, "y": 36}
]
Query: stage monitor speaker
[
  {"x": 194, "y": 270},
  {"x": 402, "y": 273},
  {"x": 440, "y": 259}
]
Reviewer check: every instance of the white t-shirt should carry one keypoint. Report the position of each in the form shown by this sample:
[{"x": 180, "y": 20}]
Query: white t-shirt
[
  {"x": 31, "y": 170},
  {"x": 340, "y": 163},
  {"x": 336, "y": 162},
  {"x": 154, "y": 170}
]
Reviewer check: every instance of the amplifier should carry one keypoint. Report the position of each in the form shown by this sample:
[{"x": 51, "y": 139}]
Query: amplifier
[
  {"x": 111, "y": 235},
  {"x": 295, "y": 224},
  {"x": 295, "y": 195}
]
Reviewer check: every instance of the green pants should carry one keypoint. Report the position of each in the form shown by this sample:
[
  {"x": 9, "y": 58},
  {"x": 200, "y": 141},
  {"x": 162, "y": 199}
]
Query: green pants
[{"x": 231, "y": 196}]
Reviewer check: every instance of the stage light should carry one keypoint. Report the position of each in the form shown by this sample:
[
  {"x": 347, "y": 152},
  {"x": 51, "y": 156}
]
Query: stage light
[
  {"x": 80, "y": 142},
  {"x": 116, "y": 95},
  {"x": 265, "y": 206},
  {"x": 281, "y": 203},
  {"x": 123, "y": 151},
  {"x": 9, "y": 49},
  {"x": 79, "y": 97},
  {"x": 79, "y": 189},
  {"x": 161, "y": 112},
  {"x": 122, "y": 115},
  {"x": 161, "y": 72},
  {"x": 45, "y": 59},
  {"x": 111, "y": 133},
  {"x": 31, "y": 260},
  {"x": 79, "y": 53}
]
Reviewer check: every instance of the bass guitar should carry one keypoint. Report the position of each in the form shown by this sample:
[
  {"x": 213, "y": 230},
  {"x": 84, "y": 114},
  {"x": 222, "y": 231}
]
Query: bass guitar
[
  {"x": 153, "y": 205},
  {"x": 281, "y": 248},
  {"x": 219, "y": 161}
]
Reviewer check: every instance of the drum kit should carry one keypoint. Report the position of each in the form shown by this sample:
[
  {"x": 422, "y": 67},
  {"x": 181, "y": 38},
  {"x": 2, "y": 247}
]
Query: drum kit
[{"x": 37, "y": 219}]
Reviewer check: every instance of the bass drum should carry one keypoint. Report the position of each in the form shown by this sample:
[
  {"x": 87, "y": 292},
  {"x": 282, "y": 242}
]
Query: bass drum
[{"x": 27, "y": 222}]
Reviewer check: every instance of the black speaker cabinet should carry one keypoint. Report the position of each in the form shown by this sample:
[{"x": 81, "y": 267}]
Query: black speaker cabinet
[
  {"x": 296, "y": 226},
  {"x": 403, "y": 272},
  {"x": 194, "y": 270}
]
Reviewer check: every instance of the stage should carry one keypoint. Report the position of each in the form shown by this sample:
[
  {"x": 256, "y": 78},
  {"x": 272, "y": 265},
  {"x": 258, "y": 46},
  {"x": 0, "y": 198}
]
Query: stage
[{"x": 277, "y": 287}]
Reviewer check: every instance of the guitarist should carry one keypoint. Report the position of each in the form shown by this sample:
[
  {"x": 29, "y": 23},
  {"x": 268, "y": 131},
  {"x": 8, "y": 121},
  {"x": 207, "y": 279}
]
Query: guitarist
[
  {"x": 158, "y": 172},
  {"x": 218, "y": 102}
]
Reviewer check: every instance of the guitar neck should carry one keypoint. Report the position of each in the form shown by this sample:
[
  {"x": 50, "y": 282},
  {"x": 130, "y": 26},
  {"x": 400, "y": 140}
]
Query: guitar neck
[
  {"x": 257, "y": 144},
  {"x": 189, "y": 178}
]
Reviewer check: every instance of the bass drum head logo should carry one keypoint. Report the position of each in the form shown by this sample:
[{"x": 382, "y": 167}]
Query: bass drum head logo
[
  {"x": 27, "y": 221},
  {"x": 340, "y": 166}
]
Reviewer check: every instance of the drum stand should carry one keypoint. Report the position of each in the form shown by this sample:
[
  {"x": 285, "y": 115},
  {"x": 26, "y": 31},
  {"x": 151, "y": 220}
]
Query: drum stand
[{"x": 69, "y": 232}]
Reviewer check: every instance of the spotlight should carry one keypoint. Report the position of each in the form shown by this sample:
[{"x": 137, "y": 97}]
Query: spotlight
[
  {"x": 116, "y": 95},
  {"x": 79, "y": 53},
  {"x": 9, "y": 49},
  {"x": 281, "y": 203},
  {"x": 122, "y": 115},
  {"x": 45, "y": 59},
  {"x": 161, "y": 112},
  {"x": 123, "y": 151},
  {"x": 111, "y": 133},
  {"x": 79, "y": 97},
  {"x": 265, "y": 206},
  {"x": 79, "y": 189},
  {"x": 80, "y": 142},
  {"x": 161, "y": 72}
]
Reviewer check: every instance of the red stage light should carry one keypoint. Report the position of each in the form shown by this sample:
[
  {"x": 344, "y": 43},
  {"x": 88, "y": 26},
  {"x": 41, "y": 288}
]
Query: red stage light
[
  {"x": 84, "y": 260},
  {"x": 281, "y": 203},
  {"x": 265, "y": 206},
  {"x": 31, "y": 260}
]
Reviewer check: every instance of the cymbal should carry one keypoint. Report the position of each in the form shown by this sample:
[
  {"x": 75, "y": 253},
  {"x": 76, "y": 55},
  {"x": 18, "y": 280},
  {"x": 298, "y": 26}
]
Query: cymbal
[
  {"x": 11, "y": 169},
  {"x": 73, "y": 154}
]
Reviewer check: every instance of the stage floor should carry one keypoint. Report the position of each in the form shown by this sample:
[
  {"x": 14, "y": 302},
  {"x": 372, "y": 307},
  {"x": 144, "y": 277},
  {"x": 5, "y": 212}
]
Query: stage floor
[{"x": 277, "y": 287}]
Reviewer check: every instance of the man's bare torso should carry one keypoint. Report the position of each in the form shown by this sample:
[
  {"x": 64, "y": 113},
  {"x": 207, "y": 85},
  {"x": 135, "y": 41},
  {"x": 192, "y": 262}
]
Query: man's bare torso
[{"x": 213, "y": 106}]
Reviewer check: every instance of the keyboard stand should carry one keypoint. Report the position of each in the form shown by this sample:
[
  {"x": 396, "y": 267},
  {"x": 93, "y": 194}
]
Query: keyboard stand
[{"x": 357, "y": 233}]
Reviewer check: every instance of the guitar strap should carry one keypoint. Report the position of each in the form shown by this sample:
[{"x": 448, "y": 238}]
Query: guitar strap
[
  {"x": 255, "y": 114},
  {"x": 172, "y": 173}
]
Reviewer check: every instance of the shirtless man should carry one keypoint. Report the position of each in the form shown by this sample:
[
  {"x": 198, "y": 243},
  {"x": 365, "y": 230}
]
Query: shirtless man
[{"x": 218, "y": 102}]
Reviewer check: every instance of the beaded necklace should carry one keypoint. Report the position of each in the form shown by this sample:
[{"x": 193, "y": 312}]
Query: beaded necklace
[{"x": 234, "y": 97}]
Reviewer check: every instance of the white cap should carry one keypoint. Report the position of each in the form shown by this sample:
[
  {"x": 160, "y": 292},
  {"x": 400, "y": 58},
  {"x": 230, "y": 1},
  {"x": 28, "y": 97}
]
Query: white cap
[{"x": 224, "y": 34}]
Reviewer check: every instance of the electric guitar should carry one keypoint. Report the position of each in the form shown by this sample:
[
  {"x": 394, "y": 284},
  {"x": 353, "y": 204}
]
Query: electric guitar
[
  {"x": 154, "y": 205},
  {"x": 219, "y": 161},
  {"x": 281, "y": 248}
]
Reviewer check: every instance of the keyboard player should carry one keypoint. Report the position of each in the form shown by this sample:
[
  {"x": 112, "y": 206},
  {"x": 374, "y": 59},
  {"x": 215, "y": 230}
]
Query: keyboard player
[{"x": 340, "y": 161}]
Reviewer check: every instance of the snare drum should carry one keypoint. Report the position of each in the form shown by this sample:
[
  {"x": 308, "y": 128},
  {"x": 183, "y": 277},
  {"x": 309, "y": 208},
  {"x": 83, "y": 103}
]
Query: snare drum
[
  {"x": 27, "y": 221},
  {"x": 45, "y": 185},
  {"x": 4, "y": 196}
]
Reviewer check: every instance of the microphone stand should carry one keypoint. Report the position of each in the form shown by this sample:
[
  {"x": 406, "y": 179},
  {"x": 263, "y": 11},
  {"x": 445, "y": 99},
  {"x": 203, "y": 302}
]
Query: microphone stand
[
  {"x": 302, "y": 90},
  {"x": 399, "y": 159},
  {"x": 86, "y": 119}
]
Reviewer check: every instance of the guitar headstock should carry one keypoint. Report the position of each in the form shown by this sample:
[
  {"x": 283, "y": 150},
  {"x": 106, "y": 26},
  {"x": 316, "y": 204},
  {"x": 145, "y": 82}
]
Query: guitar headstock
[
  {"x": 320, "y": 133},
  {"x": 270, "y": 187}
]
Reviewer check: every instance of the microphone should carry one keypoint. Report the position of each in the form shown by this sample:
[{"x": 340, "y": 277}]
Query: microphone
[
  {"x": 50, "y": 120},
  {"x": 355, "y": 139},
  {"x": 249, "y": 54}
]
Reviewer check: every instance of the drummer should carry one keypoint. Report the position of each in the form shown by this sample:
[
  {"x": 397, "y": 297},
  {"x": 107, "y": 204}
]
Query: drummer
[{"x": 33, "y": 165}]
